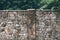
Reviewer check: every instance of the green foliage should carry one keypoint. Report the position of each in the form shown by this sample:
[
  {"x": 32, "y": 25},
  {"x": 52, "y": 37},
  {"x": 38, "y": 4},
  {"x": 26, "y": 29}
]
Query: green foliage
[
  {"x": 18, "y": 4},
  {"x": 29, "y": 4},
  {"x": 51, "y": 4}
]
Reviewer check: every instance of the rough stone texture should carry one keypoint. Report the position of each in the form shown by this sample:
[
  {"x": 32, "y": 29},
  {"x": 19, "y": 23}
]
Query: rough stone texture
[
  {"x": 29, "y": 25},
  {"x": 46, "y": 25}
]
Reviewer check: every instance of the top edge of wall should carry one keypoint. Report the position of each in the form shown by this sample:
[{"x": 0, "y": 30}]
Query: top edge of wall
[{"x": 45, "y": 10}]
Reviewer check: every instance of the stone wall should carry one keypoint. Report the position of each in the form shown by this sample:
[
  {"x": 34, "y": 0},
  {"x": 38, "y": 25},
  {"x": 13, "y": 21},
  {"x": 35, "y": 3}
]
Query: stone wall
[{"x": 28, "y": 25}]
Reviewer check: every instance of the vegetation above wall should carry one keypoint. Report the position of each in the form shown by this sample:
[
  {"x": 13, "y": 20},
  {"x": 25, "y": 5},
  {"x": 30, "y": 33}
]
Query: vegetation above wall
[{"x": 29, "y": 4}]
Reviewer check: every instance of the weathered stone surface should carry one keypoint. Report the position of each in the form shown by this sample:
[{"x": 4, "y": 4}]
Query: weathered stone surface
[
  {"x": 46, "y": 25},
  {"x": 19, "y": 25}
]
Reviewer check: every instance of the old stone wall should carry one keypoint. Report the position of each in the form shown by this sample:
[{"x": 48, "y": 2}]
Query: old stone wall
[{"x": 29, "y": 25}]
